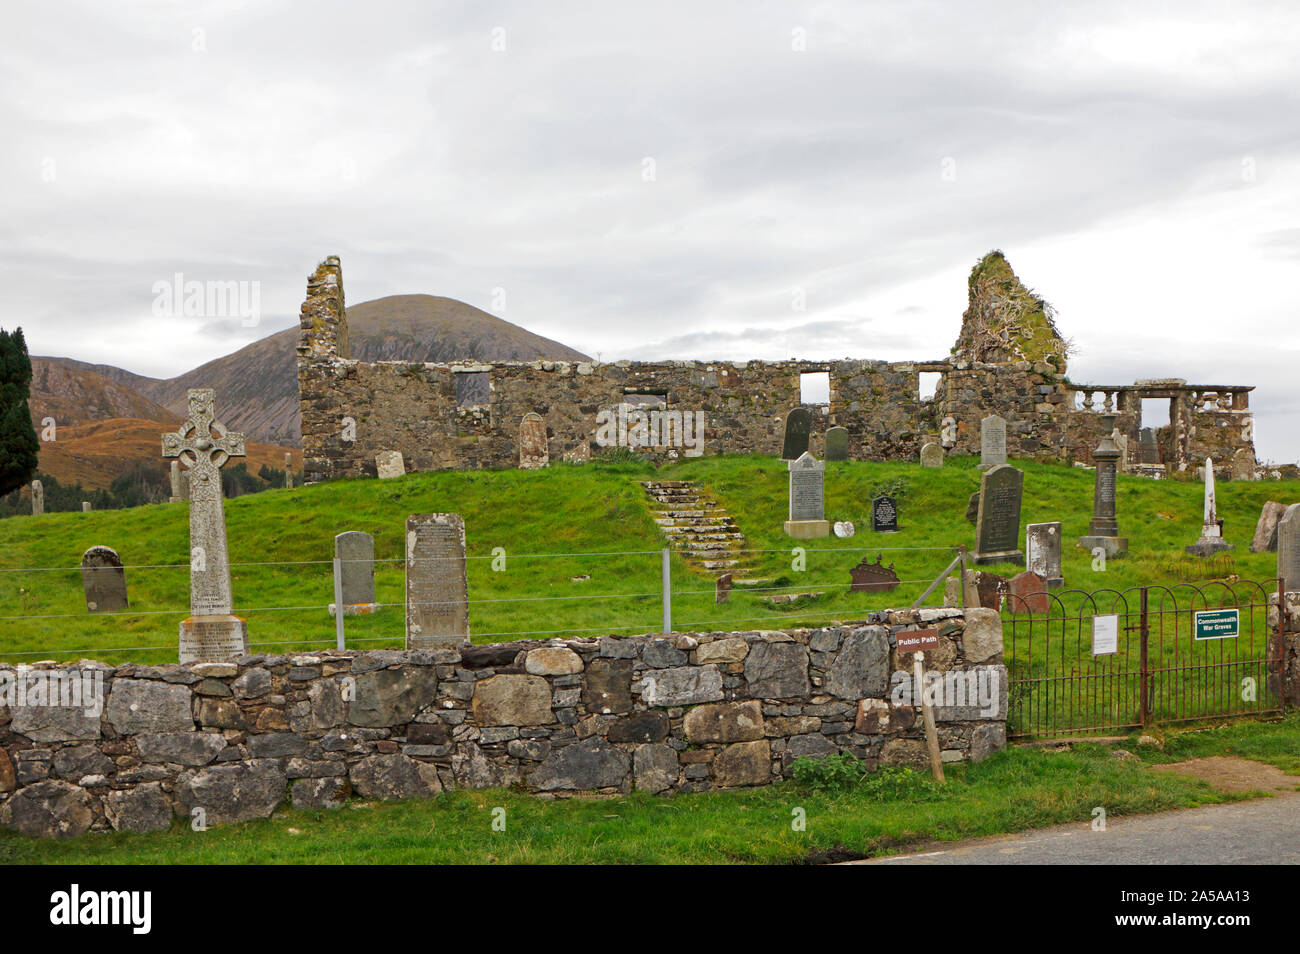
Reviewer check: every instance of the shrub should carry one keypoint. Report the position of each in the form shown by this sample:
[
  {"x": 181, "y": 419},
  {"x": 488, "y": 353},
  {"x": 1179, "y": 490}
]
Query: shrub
[{"x": 846, "y": 773}]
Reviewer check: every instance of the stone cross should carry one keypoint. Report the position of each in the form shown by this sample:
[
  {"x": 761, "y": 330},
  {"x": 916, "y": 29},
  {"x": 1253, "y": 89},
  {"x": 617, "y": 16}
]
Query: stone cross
[{"x": 203, "y": 444}]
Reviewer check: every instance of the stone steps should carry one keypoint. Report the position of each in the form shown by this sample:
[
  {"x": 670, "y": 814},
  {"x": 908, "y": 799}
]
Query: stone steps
[{"x": 697, "y": 526}]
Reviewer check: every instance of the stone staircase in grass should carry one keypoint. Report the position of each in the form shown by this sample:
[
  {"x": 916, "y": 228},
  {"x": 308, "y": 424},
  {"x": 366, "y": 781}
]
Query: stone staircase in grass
[{"x": 698, "y": 527}]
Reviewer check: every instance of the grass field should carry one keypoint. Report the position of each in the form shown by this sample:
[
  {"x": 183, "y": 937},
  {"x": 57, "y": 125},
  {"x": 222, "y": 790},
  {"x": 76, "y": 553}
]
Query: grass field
[
  {"x": 1011, "y": 791},
  {"x": 582, "y": 552}
]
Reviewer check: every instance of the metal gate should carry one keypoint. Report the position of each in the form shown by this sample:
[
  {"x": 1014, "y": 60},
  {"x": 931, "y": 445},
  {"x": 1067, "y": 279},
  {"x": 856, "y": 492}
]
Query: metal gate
[{"x": 1123, "y": 659}]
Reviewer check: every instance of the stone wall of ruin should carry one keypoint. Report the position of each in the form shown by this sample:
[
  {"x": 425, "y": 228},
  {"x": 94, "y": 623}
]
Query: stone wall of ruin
[
  {"x": 352, "y": 410},
  {"x": 678, "y": 713}
]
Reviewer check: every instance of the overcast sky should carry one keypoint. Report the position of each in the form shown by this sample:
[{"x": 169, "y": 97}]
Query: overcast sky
[{"x": 655, "y": 180}]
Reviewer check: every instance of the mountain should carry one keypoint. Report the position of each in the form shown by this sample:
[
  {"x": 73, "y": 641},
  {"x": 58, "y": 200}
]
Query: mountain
[
  {"x": 98, "y": 452},
  {"x": 257, "y": 386},
  {"x": 73, "y": 393}
]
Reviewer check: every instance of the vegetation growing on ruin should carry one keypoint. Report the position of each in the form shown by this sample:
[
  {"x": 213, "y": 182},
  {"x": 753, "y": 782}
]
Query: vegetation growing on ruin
[{"x": 1005, "y": 321}]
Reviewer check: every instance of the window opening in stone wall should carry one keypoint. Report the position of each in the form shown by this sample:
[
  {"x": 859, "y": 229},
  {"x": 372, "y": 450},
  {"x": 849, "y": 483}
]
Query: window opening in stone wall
[
  {"x": 473, "y": 389},
  {"x": 928, "y": 384},
  {"x": 815, "y": 388}
]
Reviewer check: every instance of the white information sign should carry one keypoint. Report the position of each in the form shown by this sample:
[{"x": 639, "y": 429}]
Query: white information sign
[{"x": 1105, "y": 635}]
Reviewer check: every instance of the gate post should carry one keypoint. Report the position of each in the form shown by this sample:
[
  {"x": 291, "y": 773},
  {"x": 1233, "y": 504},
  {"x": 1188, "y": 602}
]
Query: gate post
[{"x": 1144, "y": 707}]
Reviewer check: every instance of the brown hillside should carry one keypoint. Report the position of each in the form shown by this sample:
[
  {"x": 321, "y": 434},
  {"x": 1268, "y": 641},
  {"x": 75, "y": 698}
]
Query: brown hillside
[
  {"x": 257, "y": 386},
  {"x": 79, "y": 395},
  {"x": 100, "y": 451}
]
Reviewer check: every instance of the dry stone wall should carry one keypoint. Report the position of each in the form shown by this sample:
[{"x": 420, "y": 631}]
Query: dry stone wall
[{"x": 228, "y": 742}]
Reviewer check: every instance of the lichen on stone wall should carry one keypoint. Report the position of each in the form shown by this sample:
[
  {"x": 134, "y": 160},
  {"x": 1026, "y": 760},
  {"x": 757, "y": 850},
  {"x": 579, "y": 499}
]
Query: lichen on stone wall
[{"x": 1005, "y": 321}]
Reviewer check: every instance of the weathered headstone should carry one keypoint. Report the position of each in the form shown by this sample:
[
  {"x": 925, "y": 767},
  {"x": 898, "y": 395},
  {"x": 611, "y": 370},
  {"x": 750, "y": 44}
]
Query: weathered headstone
[
  {"x": 38, "y": 498},
  {"x": 1265, "y": 539},
  {"x": 1148, "y": 447},
  {"x": 993, "y": 441},
  {"x": 973, "y": 508},
  {"x": 202, "y": 444},
  {"x": 437, "y": 593},
  {"x": 837, "y": 443},
  {"x": 997, "y": 528},
  {"x": 1288, "y": 548},
  {"x": 1043, "y": 552},
  {"x": 844, "y": 529},
  {"x": 722, "y": 589},
  {"x": 948, "y": 433},
  {"x": 1027, "y": 593},
  {"x": 798, "y": 427},
  {"x": 1103, "y": 531},
  {"x": 932, "y": 455},
  {"x": 85, "y": 506},
  {"x": 104, "y": 580},
  {"x": 1211, "y": 541},
  {"x": 872, "y": 577},
  {"x": 884, "y": 514},
  {"x": 355, "y": 552},
  {"x": 389, "y": 464},
  {"x": 1243, "y": 464},
  {"x": 176, "y": 482},
  {"x": 534, "y": 453},
  {"x": 288, "y": 471},
  {"x": 1121, "y": 441},
  {"x": 807, "y": 499}
]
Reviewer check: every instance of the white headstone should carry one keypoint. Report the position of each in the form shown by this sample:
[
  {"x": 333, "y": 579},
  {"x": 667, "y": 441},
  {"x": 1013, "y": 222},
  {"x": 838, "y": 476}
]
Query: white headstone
[
  {"x": 389, "y": 464},
  {"x": 38, "y": 498},
  {"x": 993, "y": 441},
  {"x": 1288, "y": 548}
]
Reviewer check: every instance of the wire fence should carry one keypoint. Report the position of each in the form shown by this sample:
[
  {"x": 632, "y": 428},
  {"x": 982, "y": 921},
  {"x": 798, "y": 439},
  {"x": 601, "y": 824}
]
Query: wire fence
[{"x": 34, "y": 614}]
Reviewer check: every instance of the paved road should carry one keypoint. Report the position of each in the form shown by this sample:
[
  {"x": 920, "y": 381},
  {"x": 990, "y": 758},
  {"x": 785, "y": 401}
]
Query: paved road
[{"x": 1261, "y": 831}]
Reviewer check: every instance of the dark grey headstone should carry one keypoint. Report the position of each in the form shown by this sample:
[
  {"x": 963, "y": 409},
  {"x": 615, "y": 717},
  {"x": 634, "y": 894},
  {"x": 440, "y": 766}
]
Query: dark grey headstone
[
  {"x": 356, "y": 555},
  {"x": 104, "y": 580},
  {"x": 798, "y": 426},
  {"x": 837, "y": 444},
  {"x": 997, "y": 530},
  {"x": 884, "y": 514}
]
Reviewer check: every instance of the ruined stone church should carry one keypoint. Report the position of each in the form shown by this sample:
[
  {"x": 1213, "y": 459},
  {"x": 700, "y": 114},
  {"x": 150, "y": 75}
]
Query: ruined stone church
[{"x": 1009, "y": 359}]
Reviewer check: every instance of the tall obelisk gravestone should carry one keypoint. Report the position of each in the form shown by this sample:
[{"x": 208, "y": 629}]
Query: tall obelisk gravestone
[
  {"x": 1211, "y": 540},
  {"x": 211, "y": 633},
  {"x": 1103, "y": 531}
]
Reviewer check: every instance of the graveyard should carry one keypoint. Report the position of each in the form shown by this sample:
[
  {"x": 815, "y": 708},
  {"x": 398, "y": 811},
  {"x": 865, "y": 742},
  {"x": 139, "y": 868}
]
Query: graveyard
[{"x": 581, "y": 552}]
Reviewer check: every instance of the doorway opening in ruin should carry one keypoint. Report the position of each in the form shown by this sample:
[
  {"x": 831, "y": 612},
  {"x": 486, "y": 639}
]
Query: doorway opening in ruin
[
  {"x": 815, "y": 389},
  {"x": 1153, "y": 435}
]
